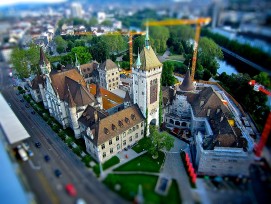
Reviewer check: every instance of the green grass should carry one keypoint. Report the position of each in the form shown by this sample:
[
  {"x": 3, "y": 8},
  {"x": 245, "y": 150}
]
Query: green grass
[
  {"x": 144, "y": 162},
  {"x": 176, "y": 57},
  {"x": 129, "y": 188},
  {"x": 140, "y": 145},
  {"x": 109, "y": 163}
]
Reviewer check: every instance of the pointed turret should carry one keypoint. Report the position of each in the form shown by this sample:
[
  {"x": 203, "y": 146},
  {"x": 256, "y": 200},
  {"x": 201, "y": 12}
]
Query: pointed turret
[
  {"x": 127, "y": 100},
  {"x": 147, "y": 39},
  {"x": 138, "y": 62},
  {"x": 77, "y": 64},
  {"x": 187, "y": 84},
  {"x": 98, "y": 96}
]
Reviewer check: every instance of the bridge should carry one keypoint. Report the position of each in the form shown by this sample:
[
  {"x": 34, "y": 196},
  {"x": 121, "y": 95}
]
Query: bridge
[{"x": 252, "y": 64}]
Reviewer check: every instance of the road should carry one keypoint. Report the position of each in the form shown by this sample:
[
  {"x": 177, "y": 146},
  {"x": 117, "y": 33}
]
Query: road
[{"x": 39, "y": 173}]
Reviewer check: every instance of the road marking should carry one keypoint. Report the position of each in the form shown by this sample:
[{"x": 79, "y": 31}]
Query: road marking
[{"x": 33, "y": 166}]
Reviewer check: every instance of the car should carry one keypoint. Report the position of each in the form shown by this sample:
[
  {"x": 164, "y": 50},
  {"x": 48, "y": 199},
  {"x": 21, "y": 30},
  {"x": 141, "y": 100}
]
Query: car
[
  {"x": 27, "y": 105},
  {"x": 25, "y": 145},
  {"x": 71, "y": 190},
  {"x": 80, "y": 201},
  {"x": 37, "y": 144},
  {"x": 47, "y": 158},
  {"x": 57, "y": 172},
  {"x": 30, "y": 153}
]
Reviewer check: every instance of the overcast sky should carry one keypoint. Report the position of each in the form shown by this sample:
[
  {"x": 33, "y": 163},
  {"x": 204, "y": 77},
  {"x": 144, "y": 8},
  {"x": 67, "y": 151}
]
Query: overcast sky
[{"x": 9, "y": 2}]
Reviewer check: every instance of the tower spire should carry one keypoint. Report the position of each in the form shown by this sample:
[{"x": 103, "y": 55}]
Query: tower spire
[
  {"x": 147, "y": 39},
  {"x": 138, "y": 62},
  {"x": 77, "y": 64}
]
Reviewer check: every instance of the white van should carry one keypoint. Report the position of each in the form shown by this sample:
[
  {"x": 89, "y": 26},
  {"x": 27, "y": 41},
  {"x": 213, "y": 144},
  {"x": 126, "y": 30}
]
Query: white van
[{"x": 22, "y": 153}]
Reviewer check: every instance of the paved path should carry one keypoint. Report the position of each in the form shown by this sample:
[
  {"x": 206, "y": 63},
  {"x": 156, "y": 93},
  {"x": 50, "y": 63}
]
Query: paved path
[{"x": 174, "y": 168}]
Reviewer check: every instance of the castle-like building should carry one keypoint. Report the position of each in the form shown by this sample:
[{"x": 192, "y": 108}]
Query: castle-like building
[{"x": 107, "y": 122}]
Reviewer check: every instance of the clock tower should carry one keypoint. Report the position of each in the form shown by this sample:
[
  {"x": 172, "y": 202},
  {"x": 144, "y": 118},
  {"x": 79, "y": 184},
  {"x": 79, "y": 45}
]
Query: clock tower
[{"x": 146, "y": 83}]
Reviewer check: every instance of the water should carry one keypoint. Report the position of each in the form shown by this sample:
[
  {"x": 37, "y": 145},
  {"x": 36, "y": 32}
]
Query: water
[{"x": 225, "y": 67}]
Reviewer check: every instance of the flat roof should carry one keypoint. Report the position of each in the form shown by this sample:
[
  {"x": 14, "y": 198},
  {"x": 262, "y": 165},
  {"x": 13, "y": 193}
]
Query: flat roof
[{"x": 12, "y": 127}]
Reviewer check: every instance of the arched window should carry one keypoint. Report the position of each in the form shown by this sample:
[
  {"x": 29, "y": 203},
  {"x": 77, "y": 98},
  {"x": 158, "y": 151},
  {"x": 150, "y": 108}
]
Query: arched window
[
  {"x": 171, "y": 121},
  {"x": 177, "y": 123},
  {"x": 184, "y": 124}
]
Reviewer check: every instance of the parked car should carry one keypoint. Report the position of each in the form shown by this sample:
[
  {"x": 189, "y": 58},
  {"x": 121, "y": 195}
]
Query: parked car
[
  {"x": 47, "y": 158},
  {"x": 30, "y": 153},
  {"x": 22, "y": 100},
  {"x": 58, "y": 173},
  {"x": 71, "y": 190},
  {"x": 37, "y": 144}
]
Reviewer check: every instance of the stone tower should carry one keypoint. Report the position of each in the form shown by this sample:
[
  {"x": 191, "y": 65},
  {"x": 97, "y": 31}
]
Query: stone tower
[{"x": 147, "y": 72}]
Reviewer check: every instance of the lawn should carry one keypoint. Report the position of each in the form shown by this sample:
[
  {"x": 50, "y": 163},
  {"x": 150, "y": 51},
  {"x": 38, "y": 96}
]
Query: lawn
[
  {"x": 129, "y": 188},
  {"x": 140, "y": 145},
  {"x": 144, "y": 162},
  {"x": 176, "y": 57},
  {"x": 109, "y": 163}
]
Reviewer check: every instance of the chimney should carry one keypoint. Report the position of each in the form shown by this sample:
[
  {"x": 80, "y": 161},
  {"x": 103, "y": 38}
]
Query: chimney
[{"x": 96, "y": 116}]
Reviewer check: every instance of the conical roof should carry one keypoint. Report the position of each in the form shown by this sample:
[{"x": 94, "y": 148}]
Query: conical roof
[{"x": 187, "y": 84}]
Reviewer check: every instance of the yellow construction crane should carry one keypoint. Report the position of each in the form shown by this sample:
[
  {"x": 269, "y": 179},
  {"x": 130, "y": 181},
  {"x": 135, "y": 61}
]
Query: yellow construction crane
[{"x": 198, "y": 22}]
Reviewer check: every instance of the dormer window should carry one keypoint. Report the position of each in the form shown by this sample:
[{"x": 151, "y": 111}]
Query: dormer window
[
  {"x": 127, "y": 120},
  {"x": 133, "y": 117},
  {"x": 114, "y": 127},
  {"x": 106, "y": 131},
  {"x": 120, "y": 123}
]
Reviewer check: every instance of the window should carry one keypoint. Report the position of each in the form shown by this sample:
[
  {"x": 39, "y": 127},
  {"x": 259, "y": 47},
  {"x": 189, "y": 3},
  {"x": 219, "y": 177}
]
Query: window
[
  {"x": 137, "y": 126},
  {"x": 117, "y": 78},
  {"x": 142, "y": 93},
  {"x": 124, "y": 142},
  {"x": 142, "y": 132},
  {"x": 130, "y": 139},
  {"x": 113, "y": 84},
  {"x": 113, "y": 79},
  {"x": 134, "y": 128},
  {"x": 117, "y": 138},
  {"x": 136, "y": 83},
  {"x": 112, "y": 74},
  {"x": 110, "y": 142},
  {"x": 142, "y": 124},
  {"x": 111, "y": 150},
  {"x": 103, "y": 146},
  {"x": 104, "y": 154},
  {"x": 124, "y": 134},
  {"x": 118, "y": 146},
  {"x": 136, "y": 135}
]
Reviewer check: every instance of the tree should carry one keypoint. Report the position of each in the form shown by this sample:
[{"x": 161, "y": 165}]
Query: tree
[
  {"x": 208, "y": 53},
  {"x": 159, "y": 141},
  {"x": 115, "y": 42},
  {"x": 168, "y": 78},
  {"x": 82, "y": 53},
  {"x": 25, "y": 62},
  {"x": 92, "y": 21},
  {"x": 160, "y": 35},
  {"x": 107, "y": 23},
  {"x": 61, "y": 44},
  {"x": 99, "y": 51}
]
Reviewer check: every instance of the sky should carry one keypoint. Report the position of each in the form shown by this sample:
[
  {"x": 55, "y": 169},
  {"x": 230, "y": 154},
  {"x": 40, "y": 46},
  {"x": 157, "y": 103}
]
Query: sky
[{"x": 10, "y": 2}]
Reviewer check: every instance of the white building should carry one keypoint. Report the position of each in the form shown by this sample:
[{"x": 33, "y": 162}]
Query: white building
[{"x": 146, "y": 73}]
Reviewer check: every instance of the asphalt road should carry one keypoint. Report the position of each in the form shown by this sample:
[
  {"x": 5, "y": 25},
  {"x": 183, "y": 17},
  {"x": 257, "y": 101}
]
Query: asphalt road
[{"x": 40, "y": 174}]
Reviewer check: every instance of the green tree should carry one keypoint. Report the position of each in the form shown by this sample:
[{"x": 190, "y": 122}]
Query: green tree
[
  {"x": 107, "y": 23},
  {"x": 264, "y": 79},
  {"x": 61, "y": 44},
  {"x": 25, "y": 62},
  {"x": 115, "y": 42},
  {"x": 159, "y": 141},
  {"x": 160, "y": 35},
  {"x": 82, "y": 53},
  {"x": 93, "y": 21},
  {"x": 99, "y": 51},
  {"x": 208, "y": 53},
  {"x": 168, "y": 78}
]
